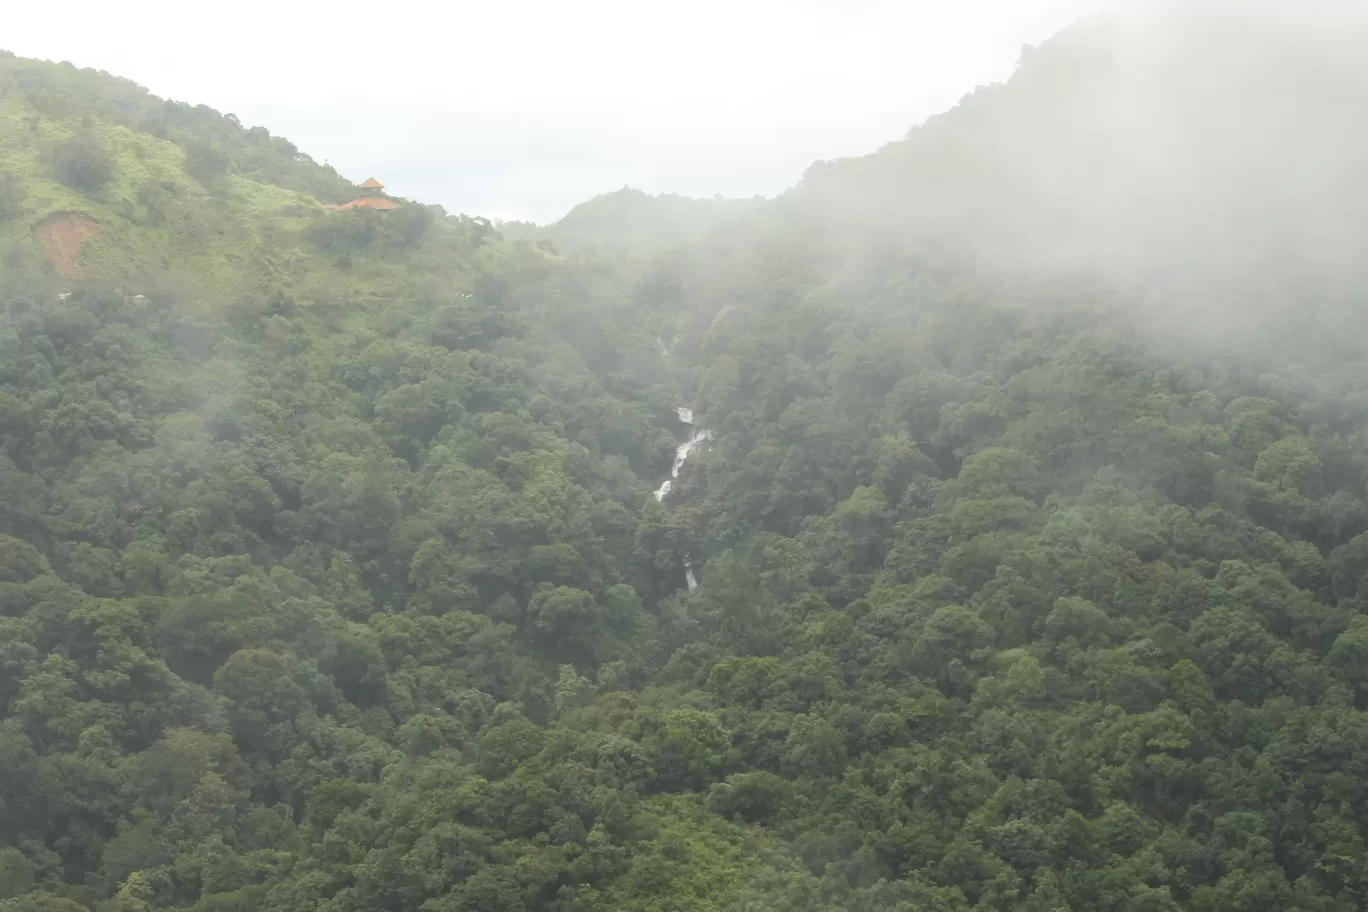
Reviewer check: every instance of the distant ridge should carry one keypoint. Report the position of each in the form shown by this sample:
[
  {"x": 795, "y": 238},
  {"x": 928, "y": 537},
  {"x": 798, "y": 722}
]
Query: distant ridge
[{"x": 635, "y": 221}]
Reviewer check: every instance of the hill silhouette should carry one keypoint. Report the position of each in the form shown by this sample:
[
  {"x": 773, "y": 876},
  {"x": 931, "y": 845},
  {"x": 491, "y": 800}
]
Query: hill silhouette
[
  {"x": 635, "y": 222},
  {"x": 1141, "y": 135}
]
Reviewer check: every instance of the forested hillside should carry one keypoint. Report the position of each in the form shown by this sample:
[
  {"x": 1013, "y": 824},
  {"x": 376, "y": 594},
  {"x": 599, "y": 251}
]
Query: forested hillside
[
  {"x": 1030, "y": 576},
  {"x": 635, "y": 222}
]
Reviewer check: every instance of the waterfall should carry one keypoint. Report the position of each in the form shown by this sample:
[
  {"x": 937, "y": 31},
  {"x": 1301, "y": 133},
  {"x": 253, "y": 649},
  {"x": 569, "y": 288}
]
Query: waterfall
[{"x": 697, "y": 437}]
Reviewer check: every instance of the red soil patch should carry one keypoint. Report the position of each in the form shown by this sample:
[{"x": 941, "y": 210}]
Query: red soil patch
[
  {"x": 62, "y": 235},
  {"x": 367, "y": 202}
]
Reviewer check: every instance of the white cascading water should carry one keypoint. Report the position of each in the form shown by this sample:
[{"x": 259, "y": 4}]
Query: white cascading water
[{"x": 697, "y": 437}]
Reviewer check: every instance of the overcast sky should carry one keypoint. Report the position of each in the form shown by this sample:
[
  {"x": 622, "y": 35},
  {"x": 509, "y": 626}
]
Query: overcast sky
[{"x": 523, "y": 108}]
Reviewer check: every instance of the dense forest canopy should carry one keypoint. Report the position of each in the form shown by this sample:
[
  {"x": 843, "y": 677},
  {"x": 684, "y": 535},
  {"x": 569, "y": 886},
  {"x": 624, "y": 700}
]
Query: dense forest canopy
[{"x": 1031, "y": 539}]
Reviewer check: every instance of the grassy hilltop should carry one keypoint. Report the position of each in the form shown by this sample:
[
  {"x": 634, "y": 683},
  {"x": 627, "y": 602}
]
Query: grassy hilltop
[{"x": 186, "y": 194}]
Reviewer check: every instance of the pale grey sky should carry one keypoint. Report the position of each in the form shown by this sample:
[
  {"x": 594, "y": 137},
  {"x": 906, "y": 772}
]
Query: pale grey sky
[{"x": 523, "y": 108}]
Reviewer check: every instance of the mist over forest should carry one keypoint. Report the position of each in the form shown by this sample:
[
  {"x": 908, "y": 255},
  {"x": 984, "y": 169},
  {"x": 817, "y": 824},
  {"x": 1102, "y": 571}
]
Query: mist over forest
[{"x": 981, "y": 524}]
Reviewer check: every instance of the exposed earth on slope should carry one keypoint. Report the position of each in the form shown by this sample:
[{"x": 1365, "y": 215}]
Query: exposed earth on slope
[{"x": 62, "y": 235}]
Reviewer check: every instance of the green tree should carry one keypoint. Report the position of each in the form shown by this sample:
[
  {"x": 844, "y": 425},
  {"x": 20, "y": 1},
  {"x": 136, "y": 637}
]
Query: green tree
[{"x": 83, "y": 163}]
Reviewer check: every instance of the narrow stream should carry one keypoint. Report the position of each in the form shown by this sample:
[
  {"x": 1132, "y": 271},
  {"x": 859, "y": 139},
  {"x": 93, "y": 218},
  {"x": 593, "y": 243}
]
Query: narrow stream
[{"x": 697, "y": 437}]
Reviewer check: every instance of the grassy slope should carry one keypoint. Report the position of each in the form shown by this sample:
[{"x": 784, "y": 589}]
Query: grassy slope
[
  {"x": 216, "y": 239},
  {"x": 240, "y": 236}
]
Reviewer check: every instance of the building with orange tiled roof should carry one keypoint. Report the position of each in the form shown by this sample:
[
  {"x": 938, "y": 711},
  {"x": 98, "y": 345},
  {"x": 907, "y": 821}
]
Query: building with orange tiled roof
[{"x": 372, "y": 197}]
